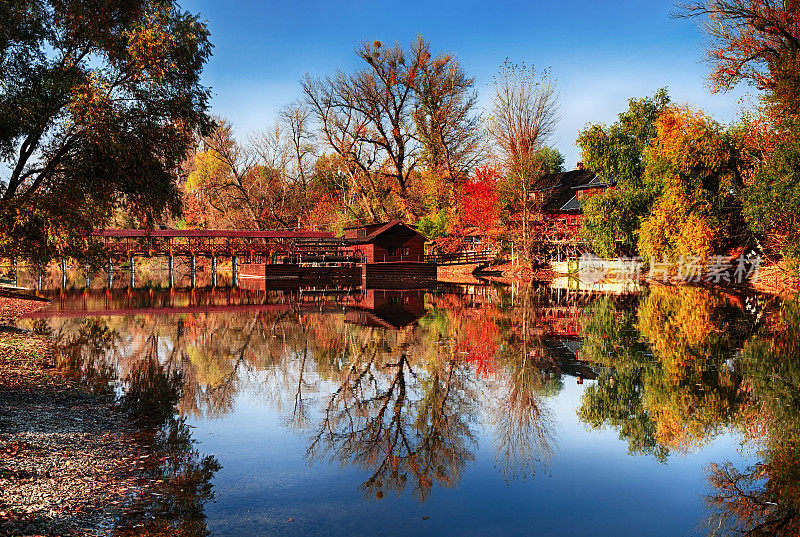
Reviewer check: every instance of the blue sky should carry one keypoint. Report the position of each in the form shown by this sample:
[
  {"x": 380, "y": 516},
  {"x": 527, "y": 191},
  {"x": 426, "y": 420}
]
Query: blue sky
[{"x": 600, "y": 52}]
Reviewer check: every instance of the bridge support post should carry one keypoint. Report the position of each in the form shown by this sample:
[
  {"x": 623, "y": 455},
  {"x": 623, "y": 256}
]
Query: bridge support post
[
  {"x": 63, "y": 272},
  {"x": 214, "y": 271},
  {"x": 171, "y": 265},
  {"x": 235, "y": 270},
  {"x": 133, "y": 272},
  {"x": 193, "y": 267},
  {"x": 110, "y": 272}
]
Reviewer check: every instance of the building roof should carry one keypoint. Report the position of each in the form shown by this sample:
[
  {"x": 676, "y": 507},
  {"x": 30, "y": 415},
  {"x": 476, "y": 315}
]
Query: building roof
[
  {"x": 559, "y": 189},
  {"x": 213, "y": 233},
  {"x": 374, "y": 230},
  {"x": 596, "y": 182}
]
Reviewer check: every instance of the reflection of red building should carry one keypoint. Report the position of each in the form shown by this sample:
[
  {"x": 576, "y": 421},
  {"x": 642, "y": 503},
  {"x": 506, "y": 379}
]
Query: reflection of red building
[
  {"x": 386, "y": 242},
  {"x": 385, "y": 308}
]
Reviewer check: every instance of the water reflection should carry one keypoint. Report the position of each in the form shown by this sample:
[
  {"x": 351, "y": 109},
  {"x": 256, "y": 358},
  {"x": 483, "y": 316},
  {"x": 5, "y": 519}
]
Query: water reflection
[
  {"x": 764, "y": 499},
  {"x": 669, "y": 379},
  {"x": 403, "y": 385}
]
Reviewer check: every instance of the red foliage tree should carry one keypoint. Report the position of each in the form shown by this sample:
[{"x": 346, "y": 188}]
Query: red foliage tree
[{"x": 479, "y": 201}]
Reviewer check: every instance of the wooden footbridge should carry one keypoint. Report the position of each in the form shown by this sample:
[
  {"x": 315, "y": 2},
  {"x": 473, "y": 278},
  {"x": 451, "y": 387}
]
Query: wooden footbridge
[
  {"x": 388, "y": 254},
  {"x": 249, "y": 246}
]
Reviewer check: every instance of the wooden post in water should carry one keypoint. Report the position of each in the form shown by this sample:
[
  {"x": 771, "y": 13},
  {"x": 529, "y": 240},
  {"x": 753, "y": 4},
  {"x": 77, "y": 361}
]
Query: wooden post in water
[
  {"x": 133, "y": 272},
  {"x": 214, "y": 271},
  {"x": 171, "y": 264},
  {"x": 235, "y": 270},
  {"x": 193, "y": 267}
]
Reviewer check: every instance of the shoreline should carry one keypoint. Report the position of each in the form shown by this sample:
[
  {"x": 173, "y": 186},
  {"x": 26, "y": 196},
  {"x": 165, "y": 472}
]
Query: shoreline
[
  {"x": 774, "y": 279},
  {"x": 70, "y": 461}
]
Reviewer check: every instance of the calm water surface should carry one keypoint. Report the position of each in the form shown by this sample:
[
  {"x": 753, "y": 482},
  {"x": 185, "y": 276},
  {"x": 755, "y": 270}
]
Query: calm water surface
[{"x": 460, "y": 410}]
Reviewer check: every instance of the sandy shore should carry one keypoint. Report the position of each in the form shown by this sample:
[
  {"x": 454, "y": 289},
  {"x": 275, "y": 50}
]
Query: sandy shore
[{"x": 68, "y": 459}]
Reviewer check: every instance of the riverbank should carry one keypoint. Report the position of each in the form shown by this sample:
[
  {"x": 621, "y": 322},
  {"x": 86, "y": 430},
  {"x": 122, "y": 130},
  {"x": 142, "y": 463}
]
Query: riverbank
[
  {"x": 69, "y": 461},
  {"x": 775, "y": 279}
]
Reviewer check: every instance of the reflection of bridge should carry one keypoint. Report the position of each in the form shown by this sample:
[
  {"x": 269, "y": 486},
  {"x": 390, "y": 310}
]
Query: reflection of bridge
[{"x": 381, "y": 308}]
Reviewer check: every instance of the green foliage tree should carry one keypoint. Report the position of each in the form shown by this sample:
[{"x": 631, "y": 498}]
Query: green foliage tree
[
  {"x": 99, "y": 104},
  {"x": 551, "y": 160},
  {"x": 435, "y": 226},
  {"x": 612, "y": 219},
  {"x": 772, "y": 200}
]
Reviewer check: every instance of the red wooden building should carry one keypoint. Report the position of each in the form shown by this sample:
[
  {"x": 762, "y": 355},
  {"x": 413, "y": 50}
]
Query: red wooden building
[
  {"x": 385, "y": 243},
  {"x": 557, "y": 222}
]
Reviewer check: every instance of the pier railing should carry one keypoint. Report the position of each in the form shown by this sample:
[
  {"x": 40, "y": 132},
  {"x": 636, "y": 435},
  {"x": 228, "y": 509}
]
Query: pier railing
[{"x": 460, "y": 258}]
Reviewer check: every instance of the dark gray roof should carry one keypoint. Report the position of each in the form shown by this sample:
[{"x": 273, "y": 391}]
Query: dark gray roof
[
  {"x": 573, "y": 204},
  {"x": 561, "y": 188}
]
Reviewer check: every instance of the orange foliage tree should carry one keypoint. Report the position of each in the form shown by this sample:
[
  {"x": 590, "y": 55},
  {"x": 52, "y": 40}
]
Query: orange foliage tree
[
  {"x": 756, "y": 41},
  {"x": 694, "y": 164}
]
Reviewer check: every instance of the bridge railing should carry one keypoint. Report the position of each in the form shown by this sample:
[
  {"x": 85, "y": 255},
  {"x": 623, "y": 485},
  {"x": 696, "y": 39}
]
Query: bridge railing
[
  {"x": 460, "y": 258},
  {"x": 295, "y": 244}
]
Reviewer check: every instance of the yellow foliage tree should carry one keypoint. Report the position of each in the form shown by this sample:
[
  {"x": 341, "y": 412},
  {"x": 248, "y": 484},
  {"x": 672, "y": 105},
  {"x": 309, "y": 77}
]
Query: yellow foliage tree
[{"x": 694, "y": 163}]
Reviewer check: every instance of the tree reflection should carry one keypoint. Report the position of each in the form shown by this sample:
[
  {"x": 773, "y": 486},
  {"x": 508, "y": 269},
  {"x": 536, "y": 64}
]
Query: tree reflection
[
  {"x": 406, "y": 427},
  {"x": 612, "y": 342},
  {"x": 522, "y": 420},
  {"x": 84, "y": 357},
  {"x": 668, "y": 384},
  {"x": 523, "y": 423},
  {"x": 179, "y": 478},
  {"x": 764, "y": 499}
]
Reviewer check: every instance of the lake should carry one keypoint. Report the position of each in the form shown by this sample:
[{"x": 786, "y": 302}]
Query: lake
[{"x": 459, "y": 410}]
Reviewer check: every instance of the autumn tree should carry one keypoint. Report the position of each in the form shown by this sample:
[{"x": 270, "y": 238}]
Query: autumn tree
[
  {"x": 612, "y": 218},
  {"x": 475, "y": 207},
  {"x": 447, "y": 128},
  {"x": 384, "y": 119},
  {"x": 524, "y": 114},
  {"x": 239, "y": 186},
  {"x": 270, "y": 181},
  {"x": 692, "y": 168},
  {"x": 755, "y": 41},
  {"x": 758, "y": 42},
  {"x": 479, "y": 200},
  {"x": 99, "y": 105}
]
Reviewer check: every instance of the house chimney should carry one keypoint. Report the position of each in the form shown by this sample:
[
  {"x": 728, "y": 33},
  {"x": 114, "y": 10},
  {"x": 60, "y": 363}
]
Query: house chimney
[{"x": 579, "y": 165}]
